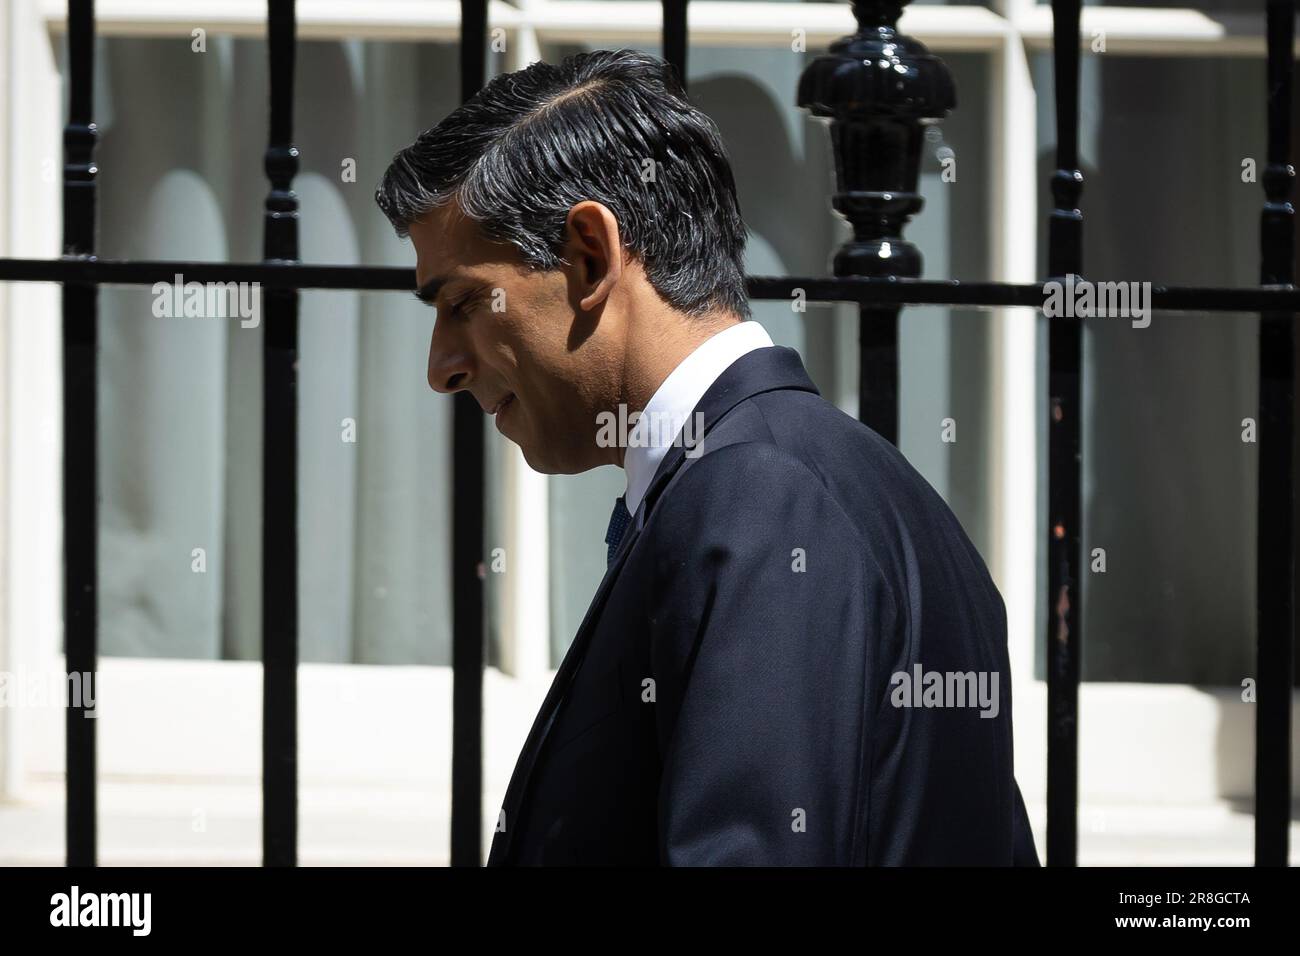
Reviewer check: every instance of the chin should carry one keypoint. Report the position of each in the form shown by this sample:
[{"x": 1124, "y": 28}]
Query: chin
[
  {"x": 540, "y": 465},
  {"x": 549, "y": 466}
]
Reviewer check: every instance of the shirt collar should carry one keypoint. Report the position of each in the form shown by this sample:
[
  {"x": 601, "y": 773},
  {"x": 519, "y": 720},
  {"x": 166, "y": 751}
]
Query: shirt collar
[{"x": 671, "y": 405}]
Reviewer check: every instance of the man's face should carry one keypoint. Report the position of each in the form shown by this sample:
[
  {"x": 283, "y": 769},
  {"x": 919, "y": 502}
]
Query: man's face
[{"x": 516, "y": 340}]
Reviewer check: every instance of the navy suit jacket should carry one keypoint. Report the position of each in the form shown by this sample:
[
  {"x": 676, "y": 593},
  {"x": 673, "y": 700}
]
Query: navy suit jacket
[{"x": 730, "y": 696}]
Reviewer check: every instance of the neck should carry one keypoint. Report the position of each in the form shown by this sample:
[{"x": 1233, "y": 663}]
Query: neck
[{"x": 657, "y": 346}]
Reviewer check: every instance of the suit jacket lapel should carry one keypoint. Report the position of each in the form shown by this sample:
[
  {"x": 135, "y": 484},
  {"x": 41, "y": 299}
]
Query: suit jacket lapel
[
  {"x": 551, "y": 705},
  {"x": 761, "y": 370}
]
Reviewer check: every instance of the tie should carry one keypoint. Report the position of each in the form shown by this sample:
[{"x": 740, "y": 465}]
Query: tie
[{"x": 618, "y": 522}]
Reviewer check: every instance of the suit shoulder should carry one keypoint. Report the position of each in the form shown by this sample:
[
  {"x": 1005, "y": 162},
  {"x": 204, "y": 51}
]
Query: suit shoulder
[
  {"x": 761, "y": 460},
  {"x": 745, "y": 481},
  {"x": 747, "y": 502}
]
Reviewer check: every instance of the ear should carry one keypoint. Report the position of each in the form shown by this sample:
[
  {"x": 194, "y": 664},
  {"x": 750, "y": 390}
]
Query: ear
[{"x": 593, "y": 248}]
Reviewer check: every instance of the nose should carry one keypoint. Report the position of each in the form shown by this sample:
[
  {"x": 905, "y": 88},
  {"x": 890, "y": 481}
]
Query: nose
[{"x": 451, "y": 367}]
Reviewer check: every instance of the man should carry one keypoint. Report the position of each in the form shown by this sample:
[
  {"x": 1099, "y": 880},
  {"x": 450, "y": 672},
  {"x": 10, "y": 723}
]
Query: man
[{"x": 753, "y": 682}]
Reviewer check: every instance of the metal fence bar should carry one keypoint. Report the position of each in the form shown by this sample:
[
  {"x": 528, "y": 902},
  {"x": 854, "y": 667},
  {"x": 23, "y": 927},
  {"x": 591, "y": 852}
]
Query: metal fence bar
[
  {"x": 1275, "y": 572},
  {"x": 674, "y": 36},
  {"x": 467, "y": 530},
  {"x": 879, "y": 290},
  {"x": 1064, "y": 429},
  {"x": 80, "y": 529},
  {"x": 280, "y": 464}
]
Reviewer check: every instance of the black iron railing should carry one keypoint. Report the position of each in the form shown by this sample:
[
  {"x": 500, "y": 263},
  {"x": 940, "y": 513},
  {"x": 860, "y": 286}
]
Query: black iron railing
[
  {"x": 1064, "y": 458},
  {"x": 1275, "y": 541},
  {"x": 280, "y": 465},
  {"x": 80, "y": 364},
  {"x": 876, "y": 122}
]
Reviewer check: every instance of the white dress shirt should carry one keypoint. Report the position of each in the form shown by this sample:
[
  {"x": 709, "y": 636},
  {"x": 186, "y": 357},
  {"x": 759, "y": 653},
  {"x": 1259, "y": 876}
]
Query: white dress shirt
[{"x": 675, "y": 400}]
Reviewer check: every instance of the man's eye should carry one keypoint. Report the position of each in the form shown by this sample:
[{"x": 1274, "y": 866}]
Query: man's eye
[{"x": 460, "y": 308}]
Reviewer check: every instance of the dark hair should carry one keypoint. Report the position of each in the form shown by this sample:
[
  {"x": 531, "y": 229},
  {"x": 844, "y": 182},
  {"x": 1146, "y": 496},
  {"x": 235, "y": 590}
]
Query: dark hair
[{"x": 531, "y": 144}]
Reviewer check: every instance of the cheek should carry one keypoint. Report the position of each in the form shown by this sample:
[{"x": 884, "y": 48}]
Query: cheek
[
  {"x": 532, "y": 349},
  {"x": 532, "y": 335},
  {"x": 495, "y": 337}
]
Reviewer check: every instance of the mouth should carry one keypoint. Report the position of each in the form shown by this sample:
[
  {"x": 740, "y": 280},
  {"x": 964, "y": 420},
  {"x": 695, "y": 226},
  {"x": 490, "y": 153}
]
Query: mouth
[{"x": 502, "y": 405}]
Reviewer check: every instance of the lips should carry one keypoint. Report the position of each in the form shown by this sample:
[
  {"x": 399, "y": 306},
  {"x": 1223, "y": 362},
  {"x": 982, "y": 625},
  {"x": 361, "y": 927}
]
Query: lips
[{"x": 502, "y": 404}]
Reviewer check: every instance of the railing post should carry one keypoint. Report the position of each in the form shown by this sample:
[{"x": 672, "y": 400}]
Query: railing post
[
  {"x": 674, "y": 36},
  {"x": 879, "y": 89},
  {"x": 80, "y": 410},
  {"x": 1064, "y": 432},
  {"x": 467, "y": 530},
  {"x": 280, "y": 464},
  {"x": 1275, "y": 540}
]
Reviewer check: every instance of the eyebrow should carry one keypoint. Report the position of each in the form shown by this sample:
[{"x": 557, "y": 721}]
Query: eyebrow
[{"x": 429, "y": 291}]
